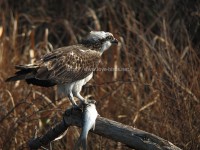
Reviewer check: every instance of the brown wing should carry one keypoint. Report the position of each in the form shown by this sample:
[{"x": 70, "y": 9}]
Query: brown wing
[{"x": 67, "y": 64}]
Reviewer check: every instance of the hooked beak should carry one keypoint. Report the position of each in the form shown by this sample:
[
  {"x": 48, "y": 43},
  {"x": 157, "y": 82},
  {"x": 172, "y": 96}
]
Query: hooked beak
[{"x": 114, "y": 41}]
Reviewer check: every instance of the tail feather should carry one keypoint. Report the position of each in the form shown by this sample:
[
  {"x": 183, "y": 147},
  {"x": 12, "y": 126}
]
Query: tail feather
[
  {"x": 25, "y": 72},
  {"x": 16, "y": 78},
  {"x": 30, "y": 74},
  {"x": 25, "y": 67}
]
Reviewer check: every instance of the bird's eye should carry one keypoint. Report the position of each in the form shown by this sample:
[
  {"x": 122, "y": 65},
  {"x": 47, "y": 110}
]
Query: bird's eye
[{"x": 109, "y": 38}]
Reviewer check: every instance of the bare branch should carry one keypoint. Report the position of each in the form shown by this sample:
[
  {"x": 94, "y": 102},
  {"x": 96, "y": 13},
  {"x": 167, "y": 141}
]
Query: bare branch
[
  {"x": 132, "y": 137},
  {"x": 49, "y": 136}
]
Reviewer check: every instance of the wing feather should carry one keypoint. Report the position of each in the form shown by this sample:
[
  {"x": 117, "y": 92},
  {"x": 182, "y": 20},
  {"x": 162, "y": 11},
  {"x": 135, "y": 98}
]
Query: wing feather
[{"x": 67, "y": 64}]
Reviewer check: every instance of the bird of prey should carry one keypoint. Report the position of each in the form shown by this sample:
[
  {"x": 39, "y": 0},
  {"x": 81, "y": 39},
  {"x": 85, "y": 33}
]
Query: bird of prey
[{"x": 68, "y": 67}]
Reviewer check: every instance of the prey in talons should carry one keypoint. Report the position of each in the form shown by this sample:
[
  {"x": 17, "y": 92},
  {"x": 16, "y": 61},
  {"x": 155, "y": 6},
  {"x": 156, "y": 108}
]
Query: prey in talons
[
  {"x": 88, "y": 122},
  {"x": 68, "y": 67}
]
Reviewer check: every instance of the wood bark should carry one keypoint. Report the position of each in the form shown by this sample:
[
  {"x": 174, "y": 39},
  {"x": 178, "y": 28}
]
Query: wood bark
[{"x": 132, "y": 137}]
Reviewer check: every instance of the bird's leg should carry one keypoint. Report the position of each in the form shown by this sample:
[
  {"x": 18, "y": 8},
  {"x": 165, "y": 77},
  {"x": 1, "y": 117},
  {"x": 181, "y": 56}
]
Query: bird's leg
[
  {"x": 71, "y": 98},
  {"x": 83, "y": 100}
]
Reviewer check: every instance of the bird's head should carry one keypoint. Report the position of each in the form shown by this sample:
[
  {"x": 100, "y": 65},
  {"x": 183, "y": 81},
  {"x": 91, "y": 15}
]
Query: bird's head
[{"x": 99, "y": 40}]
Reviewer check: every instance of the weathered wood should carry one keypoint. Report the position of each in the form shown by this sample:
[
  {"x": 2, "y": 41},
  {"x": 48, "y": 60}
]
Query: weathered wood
[
  {"x": 132, "y": 137},
  {"x": 52, "y": 134}
]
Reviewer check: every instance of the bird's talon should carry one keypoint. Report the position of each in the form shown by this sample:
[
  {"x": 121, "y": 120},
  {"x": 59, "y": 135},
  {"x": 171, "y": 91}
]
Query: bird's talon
[{"x": 85, "y": 102}]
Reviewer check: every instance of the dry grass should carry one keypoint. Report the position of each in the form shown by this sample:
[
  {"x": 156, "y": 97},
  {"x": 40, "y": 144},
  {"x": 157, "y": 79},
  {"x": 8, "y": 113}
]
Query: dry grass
[{"x": 159, "y": 44}]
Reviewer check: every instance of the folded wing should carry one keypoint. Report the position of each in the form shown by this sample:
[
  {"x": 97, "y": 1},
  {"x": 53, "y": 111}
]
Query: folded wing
[{"x": 64, "y": 65}]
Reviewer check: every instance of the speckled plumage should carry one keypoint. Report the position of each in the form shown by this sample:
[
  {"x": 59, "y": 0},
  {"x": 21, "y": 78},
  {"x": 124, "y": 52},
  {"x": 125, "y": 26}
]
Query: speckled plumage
[
  {"x": 68, "y": 67},
  {"x": 68, "y": 64}
]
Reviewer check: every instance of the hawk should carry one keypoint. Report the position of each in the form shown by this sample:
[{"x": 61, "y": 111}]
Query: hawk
[{"x": 68, "y": 67}]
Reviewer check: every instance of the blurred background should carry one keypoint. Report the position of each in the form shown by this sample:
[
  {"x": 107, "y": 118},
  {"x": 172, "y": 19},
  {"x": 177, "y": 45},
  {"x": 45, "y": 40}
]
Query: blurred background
[{"x": 159, "y": 90}]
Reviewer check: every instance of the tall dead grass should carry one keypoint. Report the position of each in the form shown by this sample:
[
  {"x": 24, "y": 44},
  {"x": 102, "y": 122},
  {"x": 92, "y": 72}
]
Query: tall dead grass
[{"x": 159, "y": 91}]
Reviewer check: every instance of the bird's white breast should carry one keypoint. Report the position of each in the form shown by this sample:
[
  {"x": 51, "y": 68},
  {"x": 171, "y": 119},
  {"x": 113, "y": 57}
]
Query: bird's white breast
[
  {"x": 78, "y": 84},
  {"x": 76, "y": 87}
]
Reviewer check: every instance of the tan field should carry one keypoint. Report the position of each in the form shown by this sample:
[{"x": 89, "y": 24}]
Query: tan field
[{"x": 150, "y": 80}]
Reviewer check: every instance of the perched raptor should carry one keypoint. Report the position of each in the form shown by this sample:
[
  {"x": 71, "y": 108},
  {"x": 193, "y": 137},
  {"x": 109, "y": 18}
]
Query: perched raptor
[{"x": 68, "y": 67}]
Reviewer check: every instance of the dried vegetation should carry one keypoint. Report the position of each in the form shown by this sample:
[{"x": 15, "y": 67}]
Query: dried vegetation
[{"x": 159, "y": 46}]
